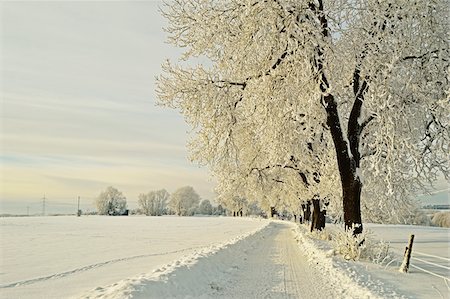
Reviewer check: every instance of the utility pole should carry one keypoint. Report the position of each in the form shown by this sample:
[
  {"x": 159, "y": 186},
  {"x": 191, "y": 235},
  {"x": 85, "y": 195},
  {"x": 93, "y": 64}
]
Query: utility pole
[
  {"x": 43, "y": 205},
  {"x": 78, "y": 210}
]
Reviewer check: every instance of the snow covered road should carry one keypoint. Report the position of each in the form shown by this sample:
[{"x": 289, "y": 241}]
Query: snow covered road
[
  {"x": 267, "y": 264},
  {"x": 300, "y": 280}
]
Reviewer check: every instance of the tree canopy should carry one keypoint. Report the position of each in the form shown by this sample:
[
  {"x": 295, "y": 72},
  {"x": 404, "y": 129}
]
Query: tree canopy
[
  {"x": 154, "y": 203},
  {"x": 184, "y": 201},
  {"x": 340, "y": 99},
  {"x": 111, "y": 202}
]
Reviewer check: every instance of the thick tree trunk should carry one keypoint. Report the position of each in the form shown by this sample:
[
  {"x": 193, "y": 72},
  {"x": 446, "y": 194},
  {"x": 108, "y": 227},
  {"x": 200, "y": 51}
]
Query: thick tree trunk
[
  {"x": 347, "y": 164},
  {"x": 322, "y": 219},
  {"x": 347, "y": 149},
  {"x": 315, "y": 214},
  {"x": 318, "y": 216},
  {"x": 352, "y": 205}
]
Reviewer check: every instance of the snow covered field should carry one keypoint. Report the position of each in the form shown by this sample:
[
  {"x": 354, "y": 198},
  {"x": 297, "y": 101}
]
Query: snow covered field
[
  {"x": 429, "y": 274},
  {"x": 60, "y": 257},
  {"x": 385, "y": 281},
  {"x": 207, "y": 257}
]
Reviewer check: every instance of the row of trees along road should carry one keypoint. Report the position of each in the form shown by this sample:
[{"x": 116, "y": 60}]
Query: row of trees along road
[
  {"x": 337, "y": 99},
  {"x": 183, "y": 202}
]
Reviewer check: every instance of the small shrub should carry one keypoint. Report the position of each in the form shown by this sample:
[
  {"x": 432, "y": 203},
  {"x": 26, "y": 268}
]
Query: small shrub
[
  {"x": 347, "y": 245},
  {"x": 441, "y": 219},
  {"x": 320, "y": 235},
  {"x": 378, "y": 252},
  {"x": 360, "y": 247}
]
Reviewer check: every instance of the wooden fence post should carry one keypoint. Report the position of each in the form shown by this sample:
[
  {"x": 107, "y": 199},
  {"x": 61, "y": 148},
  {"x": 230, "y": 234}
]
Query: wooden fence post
[{"x": 405, "y": 264}]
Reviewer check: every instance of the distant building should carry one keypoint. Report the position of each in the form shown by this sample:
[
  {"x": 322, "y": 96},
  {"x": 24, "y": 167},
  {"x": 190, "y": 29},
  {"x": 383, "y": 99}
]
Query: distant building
[{"x": 437, "y": 207}]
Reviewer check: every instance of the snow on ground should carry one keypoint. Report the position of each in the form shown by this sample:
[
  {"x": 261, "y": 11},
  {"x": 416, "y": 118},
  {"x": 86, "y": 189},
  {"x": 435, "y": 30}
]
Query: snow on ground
[
  {"x": 384, "y": 280},
  {"x": 431, "y": 253},
  {"x": 59, "y": 257},
  {"x": 206, "y": 257},
  {"x": 267, "y": 264}
]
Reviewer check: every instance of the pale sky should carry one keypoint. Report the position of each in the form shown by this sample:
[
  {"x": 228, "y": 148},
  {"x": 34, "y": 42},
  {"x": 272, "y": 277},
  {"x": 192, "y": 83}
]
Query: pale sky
[{"x": 78, "y": 106}]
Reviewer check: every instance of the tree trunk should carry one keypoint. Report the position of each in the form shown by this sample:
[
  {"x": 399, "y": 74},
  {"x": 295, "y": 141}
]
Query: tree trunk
[
  {"x": 306, "y": 208},
  {"x": 352, "y": 205},
  {"x": 315, "y": 214},
  {"x": 347, "y": 149},
  {"x": 347, "y": 164},
  {"x": 321, "y": 224},
  {"x": 302, "y": 217},
  {"x": 273, "y": 212},
  {"x": 318, "y": 216}
]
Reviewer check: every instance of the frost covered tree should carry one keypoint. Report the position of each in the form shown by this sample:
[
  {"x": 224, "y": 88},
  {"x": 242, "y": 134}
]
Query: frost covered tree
[
  {"x": 205, "y": 207},
  {"x": 219, "y": 210},
  {"x": 235, "y": 205},
  {"x": 338, "y": 98},
  {"x": 184, "y": 201},
  {"x": 111, "y": 202},
  {"x": 154, "y": 203}
]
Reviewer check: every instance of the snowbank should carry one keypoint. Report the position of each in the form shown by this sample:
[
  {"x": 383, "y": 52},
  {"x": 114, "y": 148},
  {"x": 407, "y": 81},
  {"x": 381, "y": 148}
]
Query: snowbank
[
  {"x": 384, "y": 281},
  {"x": 345, "y": 276},
  {"x": 176, "y": 279},
  {"x": 60, "y": 257}
]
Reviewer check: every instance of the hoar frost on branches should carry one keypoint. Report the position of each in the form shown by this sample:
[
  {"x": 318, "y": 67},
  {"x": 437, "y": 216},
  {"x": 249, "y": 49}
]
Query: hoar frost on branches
[
  {"x": 337, "y": 98},
  {"x": 154, "y": 203},
  {"x": 111, "y": 202},
  {"x": 184, "y": 201}
]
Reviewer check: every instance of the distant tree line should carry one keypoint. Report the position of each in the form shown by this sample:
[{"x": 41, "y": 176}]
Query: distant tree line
[{"x": 185, "y": 201}]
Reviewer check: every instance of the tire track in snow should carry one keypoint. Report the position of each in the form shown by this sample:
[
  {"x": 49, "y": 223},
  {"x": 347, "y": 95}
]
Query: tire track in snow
[
  {"x": 300, "y": 279},
  {"x": 266, "y": 264},
  {"x": 89, "y": 267},
  {"x": 275, "y": 267}
]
